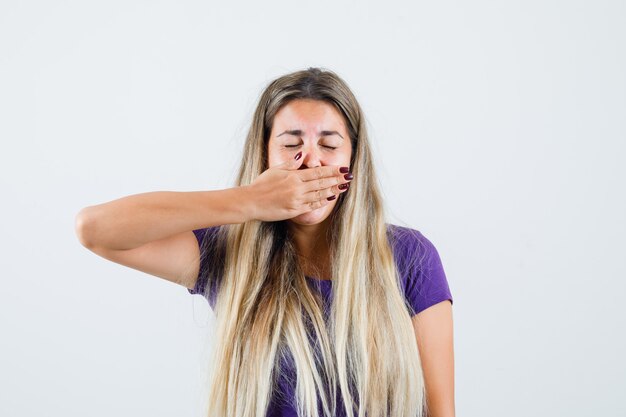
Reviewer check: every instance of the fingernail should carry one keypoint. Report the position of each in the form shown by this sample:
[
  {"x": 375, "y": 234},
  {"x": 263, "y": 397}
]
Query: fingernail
[
  {"x": 343, "y": 170},
  {"x": 332, "y": 197},
  {"x": 298, "y": 155},
  {"x": 348, "y": 176},
  {"x": 342, "y": 186}
]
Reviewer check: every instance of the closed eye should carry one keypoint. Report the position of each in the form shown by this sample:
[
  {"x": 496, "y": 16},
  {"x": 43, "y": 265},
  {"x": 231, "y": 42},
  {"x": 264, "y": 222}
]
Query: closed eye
[{"x": 295, "y": 146}]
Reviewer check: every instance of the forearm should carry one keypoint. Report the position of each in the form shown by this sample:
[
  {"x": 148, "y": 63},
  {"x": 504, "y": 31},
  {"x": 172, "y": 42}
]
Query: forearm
[{"x": 134, "y": 220}]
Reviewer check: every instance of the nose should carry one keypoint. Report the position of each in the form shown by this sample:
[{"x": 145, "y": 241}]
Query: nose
[{"x": 311, "y": 157}]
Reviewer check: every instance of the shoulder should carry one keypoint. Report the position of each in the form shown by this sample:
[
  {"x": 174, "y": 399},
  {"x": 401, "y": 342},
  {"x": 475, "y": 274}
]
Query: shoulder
[
  {"x": 211, "y": 241},
  {"x": 212, "y": 244},
  {"x": 207, "y": 233},
  {"x": 420, "y": 269},
  {"x": 409, "y": 244}
]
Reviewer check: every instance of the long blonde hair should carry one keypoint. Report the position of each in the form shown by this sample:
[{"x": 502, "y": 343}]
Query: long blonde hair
[{"x": 266, "y": 312}]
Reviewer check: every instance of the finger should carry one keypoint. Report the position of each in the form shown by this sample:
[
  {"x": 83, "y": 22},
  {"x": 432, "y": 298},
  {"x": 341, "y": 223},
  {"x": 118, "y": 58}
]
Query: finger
[
  {"x": 328, "y": 182},
  {"x": 320, "y": 172},
  {"x": 314, "y": 205},
  {"x": 319, "y": 195},
  {"x": 292, "y": 163}
]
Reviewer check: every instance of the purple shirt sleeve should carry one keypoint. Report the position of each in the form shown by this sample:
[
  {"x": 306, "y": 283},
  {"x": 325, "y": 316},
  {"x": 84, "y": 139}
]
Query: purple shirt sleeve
[
  {"x": 211, "y": 259},
  {"x": 421, "y": 271}
]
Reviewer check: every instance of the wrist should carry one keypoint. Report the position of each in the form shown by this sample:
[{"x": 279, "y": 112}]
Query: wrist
[{"x": 246, "y": 201}]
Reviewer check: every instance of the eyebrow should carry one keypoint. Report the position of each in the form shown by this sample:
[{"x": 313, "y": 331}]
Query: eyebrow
[{"x": 298, "y": 132}]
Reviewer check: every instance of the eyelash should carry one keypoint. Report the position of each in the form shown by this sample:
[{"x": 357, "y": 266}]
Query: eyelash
[{"x": 293, "y": 146}]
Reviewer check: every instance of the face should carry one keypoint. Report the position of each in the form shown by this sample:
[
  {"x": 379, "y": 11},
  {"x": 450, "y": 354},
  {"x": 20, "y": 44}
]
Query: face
[{"x": 318, "y": 130}]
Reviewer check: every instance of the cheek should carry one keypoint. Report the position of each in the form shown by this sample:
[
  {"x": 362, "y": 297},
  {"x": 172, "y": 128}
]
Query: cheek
[
  {"x": 271, "y": 158},
  {"x": 276, "y": 156},
  {"x": 346, "y": 154}
]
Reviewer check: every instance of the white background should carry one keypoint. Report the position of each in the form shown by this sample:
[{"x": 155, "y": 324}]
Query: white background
[{"x": 499, "y": 130}]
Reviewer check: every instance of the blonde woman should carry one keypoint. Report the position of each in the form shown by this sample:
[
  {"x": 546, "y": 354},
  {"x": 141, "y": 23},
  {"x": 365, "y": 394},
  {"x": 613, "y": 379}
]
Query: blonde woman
[{"x": 322, "y": 307}]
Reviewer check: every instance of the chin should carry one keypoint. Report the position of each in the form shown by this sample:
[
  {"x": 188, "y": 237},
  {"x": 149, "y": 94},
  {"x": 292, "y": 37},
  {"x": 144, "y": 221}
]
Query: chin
[{"x": 314, "y": 217}]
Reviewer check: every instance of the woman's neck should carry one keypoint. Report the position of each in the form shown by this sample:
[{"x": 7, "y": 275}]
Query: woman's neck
[{"x": 312, "y": 247}]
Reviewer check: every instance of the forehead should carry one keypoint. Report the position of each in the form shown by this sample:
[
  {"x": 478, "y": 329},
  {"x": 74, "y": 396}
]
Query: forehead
[{"x": 308, "y": 115}]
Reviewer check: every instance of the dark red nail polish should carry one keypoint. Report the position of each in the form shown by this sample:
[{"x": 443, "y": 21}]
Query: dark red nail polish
[
  {"x": 342, "y": 186},
  {"x": 332, "y": 197},
  {"x": 343, "y": 170},
  {"x": 298, "y": 155},
  {"x": 348, "y": 176}
]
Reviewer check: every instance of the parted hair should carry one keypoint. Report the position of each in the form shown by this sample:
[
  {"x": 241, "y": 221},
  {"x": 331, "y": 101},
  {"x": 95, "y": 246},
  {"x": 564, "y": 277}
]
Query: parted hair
[{"x": 363, "y": 346}]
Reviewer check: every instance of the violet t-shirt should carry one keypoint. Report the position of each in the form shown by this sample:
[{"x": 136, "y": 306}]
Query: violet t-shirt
[{"x": 421, "y": 273}]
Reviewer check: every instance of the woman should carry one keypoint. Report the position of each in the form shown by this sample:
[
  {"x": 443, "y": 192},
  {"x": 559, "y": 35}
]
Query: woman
[{"x": 319, "y": 302}]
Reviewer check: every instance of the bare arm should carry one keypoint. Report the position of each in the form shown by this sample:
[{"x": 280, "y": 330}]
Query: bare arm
[
  {"x": 434, "y": 333},
  {"x": 153, "y": 232},
  {"x": 134, "y": 220}
]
